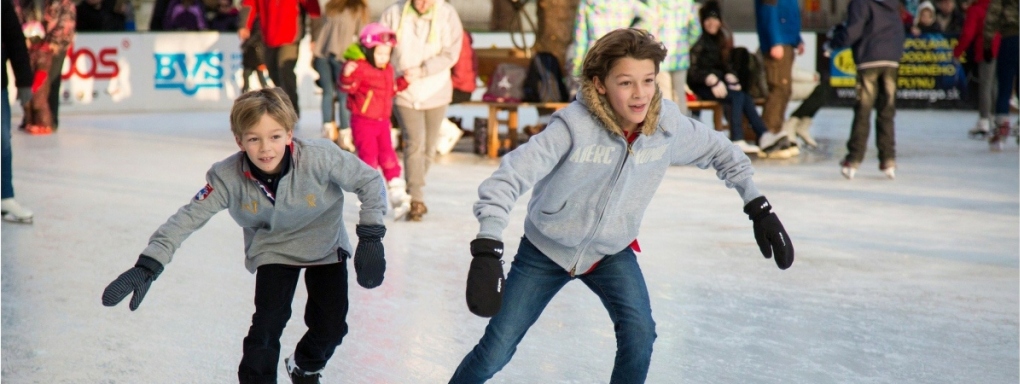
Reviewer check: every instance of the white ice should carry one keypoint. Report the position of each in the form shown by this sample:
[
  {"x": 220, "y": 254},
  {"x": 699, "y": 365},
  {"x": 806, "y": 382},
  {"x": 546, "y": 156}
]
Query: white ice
[{"x": 913, "y": 280}]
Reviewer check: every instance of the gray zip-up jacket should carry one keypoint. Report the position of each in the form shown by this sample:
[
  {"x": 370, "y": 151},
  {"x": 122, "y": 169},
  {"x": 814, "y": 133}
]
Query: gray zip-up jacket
[
  {"x": 591, "y": 187},
  {"x": 305, "y": 225}
]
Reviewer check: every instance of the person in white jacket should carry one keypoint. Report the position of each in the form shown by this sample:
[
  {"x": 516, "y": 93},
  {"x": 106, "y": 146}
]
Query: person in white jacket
[{"x": 429, "y": 34}]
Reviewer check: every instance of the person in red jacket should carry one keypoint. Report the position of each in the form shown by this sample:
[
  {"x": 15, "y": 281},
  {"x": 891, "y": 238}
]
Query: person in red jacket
[
  {"x": 370, "y": 84},
  {"x": 465, "y": 72},
  {"x": 282, "y": 27},
  {"x": 972, "y": 39}
]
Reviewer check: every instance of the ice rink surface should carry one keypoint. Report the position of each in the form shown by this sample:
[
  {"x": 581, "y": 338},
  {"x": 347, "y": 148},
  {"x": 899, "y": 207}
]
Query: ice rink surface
[{"x": 907, "y": 281}]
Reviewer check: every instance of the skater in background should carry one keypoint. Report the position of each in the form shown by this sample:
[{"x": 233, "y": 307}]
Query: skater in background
[
  {"x": 711, "y": 78},
  {"x": 282, "y": 24},
  {"x": 368, "y": 79},
  {"x": 1002, "y": 19},
  {"x": 49, "y": 26},
  {"x": 778, "y": 25},
  {"x": 972, "y": 40},
  {"x": 288, "y": 196},
  {"x": 874, "y": 33},
  {"x": 925, "y": 20},
  {"x": 13, "y": 49},
  {"x": 429, "y": 34},
  {"x": 594, "y": 169},
  {"x": 340, "y": 24},
  {"x": 251, "y": 58}
]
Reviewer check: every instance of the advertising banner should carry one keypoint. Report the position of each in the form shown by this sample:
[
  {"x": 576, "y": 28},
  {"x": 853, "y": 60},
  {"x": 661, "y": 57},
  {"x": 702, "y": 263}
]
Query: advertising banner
[
  {"x": 928, "y": 75},
  {"x": 152, "y": 72}
]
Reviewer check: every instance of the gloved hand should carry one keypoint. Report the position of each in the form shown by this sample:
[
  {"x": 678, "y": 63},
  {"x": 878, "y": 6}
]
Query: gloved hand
[
  {"x": 24, "y": 95},
  {"x": 485, "y": 278},
  {"x": 369, "y": 263},
  {"x": 718, "y": 87},
  {"x": 137, "y": 280},
  {"x": 769, "y": 232}
]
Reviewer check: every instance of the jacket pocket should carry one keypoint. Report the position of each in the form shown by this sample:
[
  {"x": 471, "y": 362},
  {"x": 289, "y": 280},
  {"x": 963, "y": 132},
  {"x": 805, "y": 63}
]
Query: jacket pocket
[{"x": 562, "y": 224}]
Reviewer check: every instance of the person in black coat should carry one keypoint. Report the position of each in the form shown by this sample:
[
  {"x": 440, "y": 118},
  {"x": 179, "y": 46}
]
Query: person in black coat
[{"x": 14, "y": 50}]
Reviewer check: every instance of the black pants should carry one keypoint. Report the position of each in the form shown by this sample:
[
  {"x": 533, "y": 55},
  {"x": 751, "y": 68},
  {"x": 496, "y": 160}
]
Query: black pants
[
  {"x": 325, "y": 316},
  {"x": 818, "y": 98},
  {"x": 55, "y": 71},
  {"x": 876, "y": 89},
  {"x": 281, "y": 61}
]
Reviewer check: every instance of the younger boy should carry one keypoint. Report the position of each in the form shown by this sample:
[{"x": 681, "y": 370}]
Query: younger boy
[
  {"x": 594, "y": 169},
  {"x": 287, "y": 195}
]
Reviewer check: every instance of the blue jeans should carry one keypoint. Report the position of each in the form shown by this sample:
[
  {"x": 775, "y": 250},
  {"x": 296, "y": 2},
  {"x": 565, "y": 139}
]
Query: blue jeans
[
  {"x": 6, "y": 188},
  {"x": 329, "y": 72},
  {"x": 532, "y": 283},
  {"x": 1007, "y": 64}
]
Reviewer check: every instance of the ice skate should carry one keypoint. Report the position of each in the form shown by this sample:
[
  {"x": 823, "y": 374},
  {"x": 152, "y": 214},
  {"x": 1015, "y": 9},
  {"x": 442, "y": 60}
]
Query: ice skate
[
  {"x": 400, "y": 201},
  {"x": 776, "y": 146},
  {"x": 848, "y": 169},
  {"x": 298, "y": 375},
  {"x": 329, "y": 131},
  {"x": 14, "y": 212},
  {"x": 980, "y": 130},
  {"x": 888, "y": 167},
  {"x": 345, "y": 139},
  {"x": 803, "y": 130},
  {"x": 749, "y": 149},
  {"x": 998, "y": 140},
  {"x": 418, "y": 210}
]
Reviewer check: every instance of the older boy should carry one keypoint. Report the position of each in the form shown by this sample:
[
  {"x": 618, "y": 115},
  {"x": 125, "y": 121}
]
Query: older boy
[
  {"x": 287, "y": 195},
  {"x": 595, "y": 168}
]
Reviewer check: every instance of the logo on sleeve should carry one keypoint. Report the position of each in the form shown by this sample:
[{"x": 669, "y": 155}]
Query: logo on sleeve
[{"x": 204, "y": 192}]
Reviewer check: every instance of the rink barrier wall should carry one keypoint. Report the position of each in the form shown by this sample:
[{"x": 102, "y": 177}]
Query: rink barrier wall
[{"x": 196, "y": 71}]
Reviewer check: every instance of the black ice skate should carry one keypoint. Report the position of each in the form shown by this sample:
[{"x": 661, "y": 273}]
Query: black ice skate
[{"x": 298, "y": 375}]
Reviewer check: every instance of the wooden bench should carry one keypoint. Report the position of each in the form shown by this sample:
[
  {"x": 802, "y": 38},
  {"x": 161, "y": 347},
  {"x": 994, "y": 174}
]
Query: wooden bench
[
  {"x": 511, "y": 122},
  {"x": 717, "y": 114}
]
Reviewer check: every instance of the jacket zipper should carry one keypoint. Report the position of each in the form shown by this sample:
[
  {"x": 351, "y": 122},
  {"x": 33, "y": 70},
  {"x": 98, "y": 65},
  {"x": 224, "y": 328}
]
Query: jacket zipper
[
  {"x": 368, "y": 99},
  {"x": 603, "y": 202}
]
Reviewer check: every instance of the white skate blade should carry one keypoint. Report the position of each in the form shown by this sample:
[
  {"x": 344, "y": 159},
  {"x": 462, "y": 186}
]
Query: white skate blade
[{"x": 18, "y": 220}]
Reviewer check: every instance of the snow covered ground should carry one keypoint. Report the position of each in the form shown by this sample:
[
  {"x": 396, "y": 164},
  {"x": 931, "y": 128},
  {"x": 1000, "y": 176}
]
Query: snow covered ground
[{"x": 907, "y": 281}]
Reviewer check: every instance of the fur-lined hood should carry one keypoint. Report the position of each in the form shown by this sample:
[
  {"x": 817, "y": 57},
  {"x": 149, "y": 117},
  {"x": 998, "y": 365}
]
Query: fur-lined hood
[{"x": 599, "y": 106}]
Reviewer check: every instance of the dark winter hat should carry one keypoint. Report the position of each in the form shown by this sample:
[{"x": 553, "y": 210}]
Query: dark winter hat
[{"x": 710, "y": 9}]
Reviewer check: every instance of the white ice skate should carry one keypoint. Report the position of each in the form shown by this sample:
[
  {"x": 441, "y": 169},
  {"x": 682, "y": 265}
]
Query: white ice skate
[
  {"x": 345, "y": 140},
  {"x": 329, "y": 131},
  {"x": 449, "y": 135},
  {"x": 15, "y": 213},
  {"x": 400, "y": 201}
]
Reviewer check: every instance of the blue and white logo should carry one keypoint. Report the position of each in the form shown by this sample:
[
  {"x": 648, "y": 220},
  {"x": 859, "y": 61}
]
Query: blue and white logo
[{"x": 176, "y": 71}]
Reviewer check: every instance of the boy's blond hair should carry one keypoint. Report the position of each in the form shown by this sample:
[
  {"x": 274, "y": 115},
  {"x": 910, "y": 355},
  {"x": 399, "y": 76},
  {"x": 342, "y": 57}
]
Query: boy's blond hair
[
  {"x": 249, "y": 108},
  {"x": 625, "y": 42}
]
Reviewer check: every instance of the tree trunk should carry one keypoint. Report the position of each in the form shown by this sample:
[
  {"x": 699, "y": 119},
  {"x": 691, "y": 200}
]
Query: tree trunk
[{"x": 555, "y": 27}]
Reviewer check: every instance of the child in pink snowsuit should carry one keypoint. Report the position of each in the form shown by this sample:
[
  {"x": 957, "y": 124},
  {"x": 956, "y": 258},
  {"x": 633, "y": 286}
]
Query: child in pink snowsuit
[{"x": 370, "y": 84}]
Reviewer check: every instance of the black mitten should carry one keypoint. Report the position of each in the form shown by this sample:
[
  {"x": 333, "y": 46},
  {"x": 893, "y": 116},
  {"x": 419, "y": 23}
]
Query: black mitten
[
  {"x": 369, "y": 263},
  {"x": 485, "y": 278},
  {"x": 769, "y": 232},
  {"x": 137, "y": 280}
]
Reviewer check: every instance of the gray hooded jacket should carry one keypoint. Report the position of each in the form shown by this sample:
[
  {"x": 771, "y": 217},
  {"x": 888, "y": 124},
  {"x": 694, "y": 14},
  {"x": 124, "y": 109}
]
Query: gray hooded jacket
[
  {"x": 591, "y": 187},
  {"x": 305, "y": 225}
]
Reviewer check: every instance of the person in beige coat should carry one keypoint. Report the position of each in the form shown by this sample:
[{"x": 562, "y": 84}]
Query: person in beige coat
[{"x": 429, "y": 34}]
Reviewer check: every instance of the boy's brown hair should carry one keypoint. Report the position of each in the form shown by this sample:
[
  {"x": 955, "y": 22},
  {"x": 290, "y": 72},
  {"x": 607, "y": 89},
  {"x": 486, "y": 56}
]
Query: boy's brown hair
[
  {"x": 249, "y": 108},
  {"x": 625, "y": 42}
]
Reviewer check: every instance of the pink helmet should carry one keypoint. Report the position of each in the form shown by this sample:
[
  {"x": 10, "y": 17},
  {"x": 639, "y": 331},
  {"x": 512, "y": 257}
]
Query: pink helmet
[{"x": 376, "y": 34}]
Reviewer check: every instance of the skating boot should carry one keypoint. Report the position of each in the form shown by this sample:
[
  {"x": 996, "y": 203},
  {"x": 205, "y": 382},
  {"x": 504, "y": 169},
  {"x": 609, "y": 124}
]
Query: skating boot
[
  {"x": 329, "y": 131},
  {"x": 998, "y": 140},
  {"x": 888, "y": 167},
  {"x": 980, "y": 130},
  {"x": 298, "y": 375},
  {"x": 345, "y": 139},
  {"x": 776, "y": 146},
  {"x": 14, "y": 212},
  {"x": 400, "y": 201},
  {"x": 803, "y": 130},
  {"x": 848, "y": 169},
  {"x": 418, "y": 210},
  {"x": 749, "y": 149}
]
